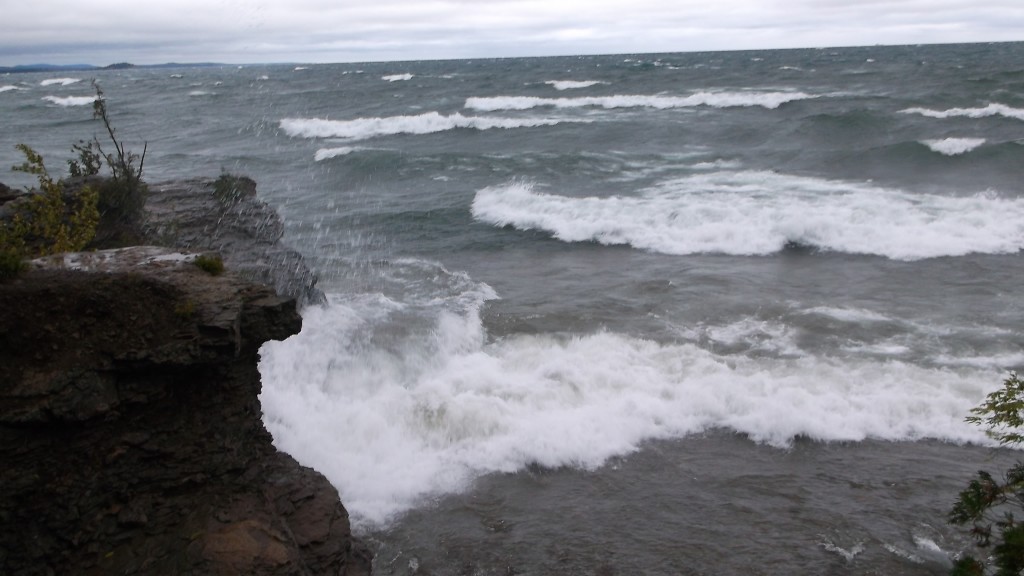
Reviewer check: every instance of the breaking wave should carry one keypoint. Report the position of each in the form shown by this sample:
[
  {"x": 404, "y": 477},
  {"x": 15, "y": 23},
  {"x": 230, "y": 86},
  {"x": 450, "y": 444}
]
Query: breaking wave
[
  {"x": 397, "y": 399},
  {"x": 70, "y": 100},
  {"x": 59, "y": 81},
  {"x": 760, "y": 213},
  {"x": 768, "y": 100},
  {"x": 572, "y": 84},
  {"x": 428, "y": 123},
  {"x": 990, "y": 110},
  {"x": 953, "y": 146}
]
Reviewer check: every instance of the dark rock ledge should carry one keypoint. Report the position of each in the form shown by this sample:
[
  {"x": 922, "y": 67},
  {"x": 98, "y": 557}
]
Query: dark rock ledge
[{"x": 131, "y": 439}]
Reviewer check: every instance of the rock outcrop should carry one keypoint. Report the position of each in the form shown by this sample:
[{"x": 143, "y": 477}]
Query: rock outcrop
[
  {"x": 225, "y": 216},
  {"x": 131, "y": 439}
]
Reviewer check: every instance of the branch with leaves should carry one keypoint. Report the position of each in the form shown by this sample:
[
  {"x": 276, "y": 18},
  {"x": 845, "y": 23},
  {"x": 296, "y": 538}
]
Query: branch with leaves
[{"x": 987, "y": 504}]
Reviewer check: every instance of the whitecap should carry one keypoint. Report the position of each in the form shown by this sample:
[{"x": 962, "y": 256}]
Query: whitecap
[
  {"x": 70, "y": 100},
  {"x": 983, "y": 112},
  {"x": 428, "y": 123},
  {"x": 9, "y": 88},
  {"x": 953, "y": 146},
  {"x": 397, "y": 399},
  {"x": 759, "y": 213},
  {"x": 326, "y": 153},
  {"x": 573, "y": 84},
  {"x": 59, "y": 81},
  {"x": 768, "y": 100},
  {"x": 397, "y": 77}
]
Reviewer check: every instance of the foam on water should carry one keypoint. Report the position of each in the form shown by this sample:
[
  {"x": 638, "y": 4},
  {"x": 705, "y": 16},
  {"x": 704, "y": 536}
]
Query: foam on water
[
  {"x": 572, "y": 84},
  {"x": 850, "y": 315},
  {"x": 760, "y": 213},
  {"x": 427, "y": 123},
  {"x": 953, "y": 146},
  {"x": 70, "y": 100},
  {"x": 990, "y": 110},
  {"x": 59, "y": 81},
  {"x": 8, "y": 88},
  {"x": 326, "y": 153},
  {"x": 714, "y": 99},
  {"x": 397, "y": 77},
  {"x": 396, "y": 399}
]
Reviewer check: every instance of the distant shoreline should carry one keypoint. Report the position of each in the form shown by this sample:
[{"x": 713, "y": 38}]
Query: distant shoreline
[{"x": 89, "y": 67}]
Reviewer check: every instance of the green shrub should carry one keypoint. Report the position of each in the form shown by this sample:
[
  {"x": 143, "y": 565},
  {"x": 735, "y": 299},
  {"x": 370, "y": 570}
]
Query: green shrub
[
  {"x": 987, "y": 504},
  {"x": 210, "y": 263},
  {"x": 48, "y": 222},
  {"x": 122, "y": 197},
  {"x": 12, "y": 263},
  {"x": 89, "y": 160},
  {"x": 229, "y": 189}
]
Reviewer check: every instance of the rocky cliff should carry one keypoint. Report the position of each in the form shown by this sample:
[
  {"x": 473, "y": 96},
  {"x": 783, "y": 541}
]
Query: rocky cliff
[{"x": 131, "y": 438}]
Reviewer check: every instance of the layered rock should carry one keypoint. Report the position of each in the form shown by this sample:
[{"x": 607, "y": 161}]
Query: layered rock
[
  {"x": 131, "y": 438},
  {"x": 226, "y": 216}
]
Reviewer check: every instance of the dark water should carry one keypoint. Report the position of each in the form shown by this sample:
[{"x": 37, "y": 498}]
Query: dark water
[{"x": 705, "y": 313}]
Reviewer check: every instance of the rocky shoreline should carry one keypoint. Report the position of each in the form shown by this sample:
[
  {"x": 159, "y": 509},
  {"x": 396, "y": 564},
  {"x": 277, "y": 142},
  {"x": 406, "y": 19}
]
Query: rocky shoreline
[{"x": 130, "y": 426}]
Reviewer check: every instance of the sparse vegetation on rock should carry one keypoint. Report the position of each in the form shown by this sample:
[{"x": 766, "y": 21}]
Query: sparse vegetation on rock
[{"x": 84, "y": 210}]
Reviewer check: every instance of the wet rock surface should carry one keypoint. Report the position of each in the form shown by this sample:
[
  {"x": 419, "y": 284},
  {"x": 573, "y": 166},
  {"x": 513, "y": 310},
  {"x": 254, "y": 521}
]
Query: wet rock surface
[
  {"x": 225, "y": 215},
  {"x": 131, "y": 437}
]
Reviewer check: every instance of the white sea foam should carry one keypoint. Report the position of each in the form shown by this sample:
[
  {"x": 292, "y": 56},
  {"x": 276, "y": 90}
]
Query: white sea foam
[
  {"x": 70, "y": 100},
  {"x": 573, "y": 84},
  {"x": 760, "y": 213},
  {"x": 9, "y": 87},
  {"x": 990, "y": 110},
  {"x": 428, "y": 123},
  {"x": 300, "y": 68},
  {"x": 396, "y": 400},
  {"x": 326, "y": 153},
  {"x": 397, "y": 77},
  {"x": 202, "y": 93},
  {"x": 953, "y": 146},
  {"x": 59, "y": 81},
  {"x": 850, "y": 315},
  {"x": 714, "y": 99}
]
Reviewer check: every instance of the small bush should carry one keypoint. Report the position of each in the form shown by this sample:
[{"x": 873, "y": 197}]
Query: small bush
[
  {"x": 229, "y": 189},
  {"x": 210, "y": 263},
  {"x": 48, "y": 222},
  {"x": 122, "y": 197},
  {"x": 89, "y": 161},
  {"x": 987, "y": 504},
  {"x": 12, "y": 263}
]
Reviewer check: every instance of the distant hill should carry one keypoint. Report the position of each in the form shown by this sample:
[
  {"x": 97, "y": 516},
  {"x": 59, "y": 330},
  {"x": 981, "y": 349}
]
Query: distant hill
[
  {"x": 46, "y": 68},
  {"x": 87, "y": 67}
]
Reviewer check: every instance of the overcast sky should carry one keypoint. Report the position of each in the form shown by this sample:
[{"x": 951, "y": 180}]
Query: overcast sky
[{"x": 249, "y": 31}]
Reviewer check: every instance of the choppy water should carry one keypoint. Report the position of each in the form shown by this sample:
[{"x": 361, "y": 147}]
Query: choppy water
[{"x": 710, "y": 313}]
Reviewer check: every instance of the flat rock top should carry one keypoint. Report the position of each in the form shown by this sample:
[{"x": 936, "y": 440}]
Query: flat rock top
[{"x": 118, "y": 260}]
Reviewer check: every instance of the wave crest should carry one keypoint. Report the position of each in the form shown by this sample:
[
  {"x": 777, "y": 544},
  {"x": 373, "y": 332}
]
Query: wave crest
[
  {"x": 428, "y": 123},
  {"x": 572, "y": 84},
  {"x": 768, "y": 100},
  {"x": 760, "y": 213},
  {"x": 70, "y": 100},
  {"x": 984, "y": 112},
  {"x": 59, "y": 81},
  {"x": 953, "y": 146}
]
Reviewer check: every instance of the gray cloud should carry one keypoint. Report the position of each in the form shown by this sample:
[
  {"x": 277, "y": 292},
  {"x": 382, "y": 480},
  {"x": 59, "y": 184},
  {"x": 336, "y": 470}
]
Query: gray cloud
[{"x": 102, "y": 31}]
